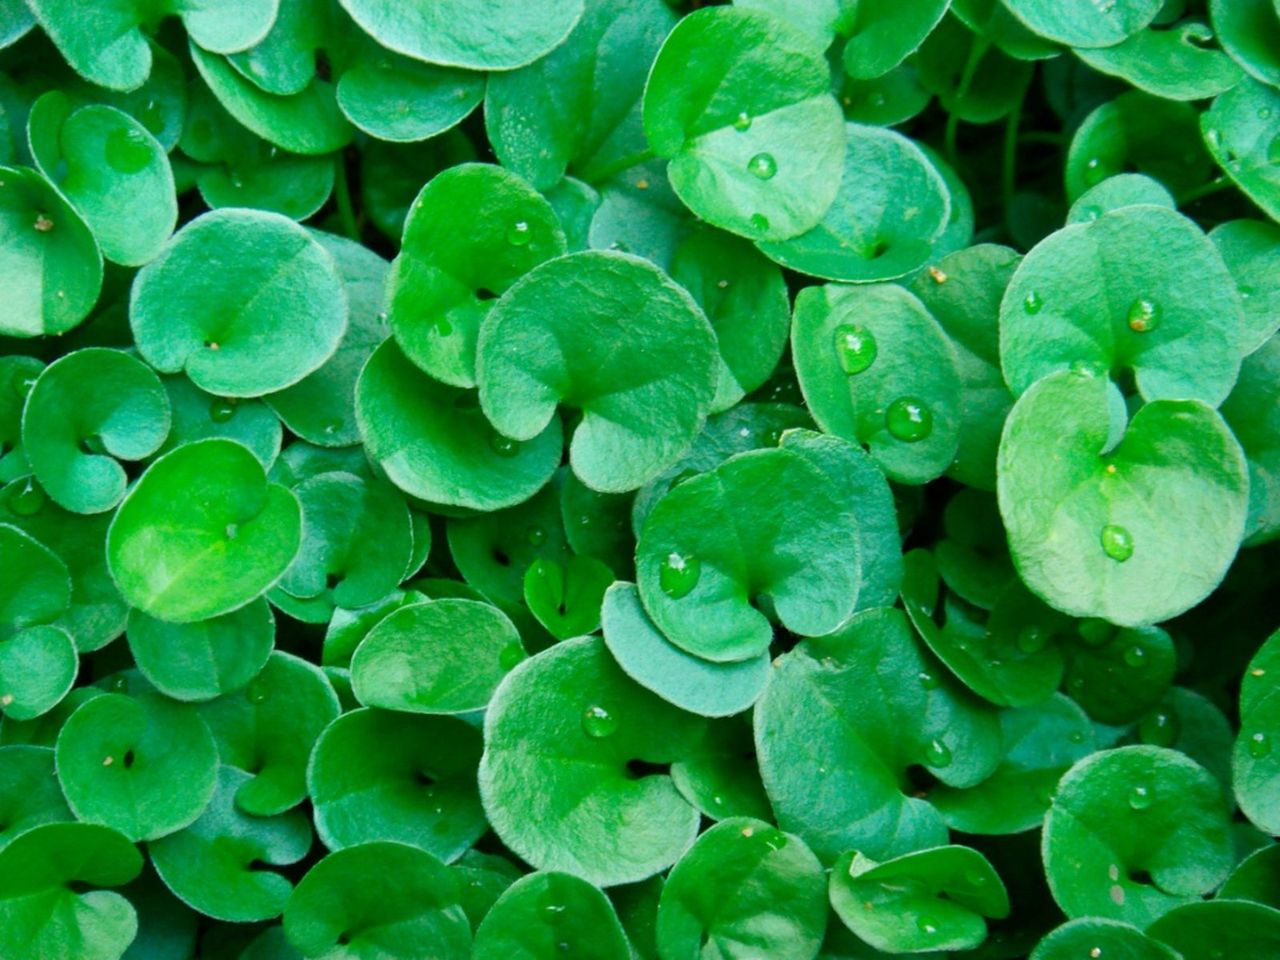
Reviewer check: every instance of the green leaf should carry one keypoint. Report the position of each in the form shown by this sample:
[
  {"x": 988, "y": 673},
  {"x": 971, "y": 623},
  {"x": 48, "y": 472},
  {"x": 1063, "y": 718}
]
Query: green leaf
[
  {"x": 1141, "y": 289},
  {"x": 876, "y": 369},
  {"x": 1255, "y": 878},
  {"x": 1172, "y": 63},
  {"x": 434, "y": 443},
  {"x": 933, "y": 899},
  {"x": 578, "y": 108},
  {"x": 689, "y": 682},
  {"x": 111, "y": 169},
  {"x": 1254, "y": 417},
  {"x": 891, "y": 207},
  {"x": 1249, "y": 30},
  {"x": 473, "y": 231},
  {"x": 1111, "y": 938},
  {"x": 560, "y": 334},
  {"x": 377, "y": 900},
  {"x": 284, "y": 61},
  {"x": 139, "y": 764},
  {"x": 220, "y": 865},
  {"x": 245, "y": 302},
  {"x": 382, "y": 776},
  {"x": 1254, "y": 762},
  {"x": 1122, "y": 190},
  {"x": 547, "y": 916},
  {"x": 1251, "y": 251},
  {"x": 1133, "y": 833},
  {"x": 1197, "y": 931},
  {"x": 1096, "y": 541},
  {"x": 1083, "y": 23},
  {"x": 19, "y": 374},
  {"x": 267, "y": 729},
  {"x": 883, "y": 33},
  {"x": 996, "y": 83},
  {"x": 200, "y": 416},
  {"x": 35, "y": 587},
  {"x": 29, "y": 791},
  {"x": 1241, "y": 130},
  {"x": 793, "y": 547},
  {"x": 43, "y": 915},
  {"x": 85, "y": 410},
  {"x": 202, "y": 533},
  {"x": 1118, "y": 675},
  {"x": 744, "y": 888},
  {"x": 205, "y": 659},
  {"x": 320, "y": 407},
  {"x": 566, "y": 598},
  {"x": 394, "y": 98},
  {"x": 38, "y": 665},
  {"x": 861, "y": 706},
  {"x": 52, "y": 267},
  {"x": 571, "y": 708},
  {"x": 755, "y": 139},
  {"x": 17, "y": 19},
  {"x": 443, "y": 656}
]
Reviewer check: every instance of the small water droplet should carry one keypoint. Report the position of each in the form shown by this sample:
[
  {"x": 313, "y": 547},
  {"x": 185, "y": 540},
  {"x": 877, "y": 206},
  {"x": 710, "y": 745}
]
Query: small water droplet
[
  {"x": 503, "y": 446},
  {"x": 151, "y": 115},
  {"x": 598, "y": 722},
  {"x": 1144, "y": 316},
  {"x": 928, "y": 680},
  {"x": 1264, "y": 113},
  {"x": 679, "y": 574},
  {"x": 519, "y": 235},
  {"x": 759, "y": 222},
  {"x": 937, "y": 754},
  {"x": 975, "y": 878},
  {"x": 742, "y": 123},
  {"x": 909, "y": 420},
  {"x": 762, "y": 166},
  {"x": 119, "y": 683},
  {"x": 537, "y": 536},
  {"x": 717, "y": 800},
  {"x": 1141, "y": 797},
  {"x": 28, "y": 501},
  {"x": 1092, "y": 213},
  {"x": 1117, "y": 542},
  {"x": 441, "y": 328},
  {"x": 1159, "y": 728},
  {"x": 1033, "y": 303},
  {"x": 127, "y": 150},
  {"x": 1076, "y": 736},
  {"x": 22, "y": 383},
  {"x": 1259, "y": 745},
  {"x": 511, "y": 655},
  {"x": 257, "y": 692},
  {"x": 554, "y": 909},
  {"x": 1135, "y": 656},
  {"x": 221, "y": 410},
  {"x": 1032, "y": 639},
  {"x": 231, "y": 530},
  {"x": 856, "y": 348},
  {"x": 1094, "y": 171},
  {"x": 927, "y": 925}
]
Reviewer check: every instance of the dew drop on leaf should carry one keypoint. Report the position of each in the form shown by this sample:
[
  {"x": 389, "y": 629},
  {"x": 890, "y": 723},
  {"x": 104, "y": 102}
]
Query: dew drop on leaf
[
  {"x": 1259, "y": 745},
  {"x": 503, "y": 446},
  {"x": 759, "y": 221},
  {"x": 127, "y": 150},
  {"x": 927, "y": 926},
  {"x": 928, "y": 680},
  {"x": 257, "y": 692},
  {"x": 762, "y": 166},
  {"x": 221, "y": 410},
  {"x": 519, "y": 235},
  {"x": 1159, "y": 728},
  {"x": 1144, "y": 316},
  {"x": 742, "y": 123},
  {"x": 1135, "y": 656},
  {"x": 909, "y": 420},
  {"x": 29, "y": 500},
  {"x": 1032, "y": 639},
  {"x": 511, "y": 655},
  {"x": 1094, "y": 171},
  {"x": 1141, "y": 797},
  {"x": 938, "y": 754},
  {"x": 679, "y": 574},
  {"x": 1117, "y": 542},
  {"x": 1076, "y": 736},
  {"x": 537, "y": 536},
  {"x": 856, "y": 348},
  {"x": 1033, "y": 303},
  {"x": 598, "y": 722}
]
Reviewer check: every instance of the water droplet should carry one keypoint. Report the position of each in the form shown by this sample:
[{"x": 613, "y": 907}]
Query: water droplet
[
  {"x": 909, "y": 420},
  {"x": 221, "y": 410},
  {"x": 1141, "y": 797},
  {"x": 759, "y": 222},
  {"x": 1135, "y": 656},
  {"x": 742, "y": 123},
  {"x": 93, "y": 444},
  {"x": 441, "y": 328},
  {"x": 1095, "y": 953},
  {"x": 231, "y": 530},
  {"x": 1092, "y": 212},
  {"x": 151, "y": 115},
  {"x": 1076, "y": 736},
  {"x": 1259, "y": 745},
  {"x": 1033, "y": 303},
  {"x": 598, "y": 722},
  {"x": 537, "y": 536},
  {"x": 1144, "y": 316},
  {"x": 127, "y": 150},
  {"x": 1117, "y": 542},
  {"x": 937, "y": 754},
  {"x": 511, "y": 655},
  {"x": 554, "y": 909},
  {"x": 1032, "y": 639},
  {"x": 519, "y": 235},
  {"x": 503, "y": 446},
  {"x": 1264, "y": 113},
  {"x": 927, "y": 925},
  {"x": 119, "y": 684},
  {"x": 717, "y": 800},
  {"x": 856, "y": 348},
  {"x": 927, "y": 680},
  {"x": 1094, "y": 171},
  {"x": 975, "y": 878},
  {"x": 29, "y": 500},
  {"x": 1159, "y": 728},
  {"x": 679, "y": 574},
  {"x": 257, "y": 692},
  {"x": 762, "y": 166},
  {"x": 22, "y": 383}
]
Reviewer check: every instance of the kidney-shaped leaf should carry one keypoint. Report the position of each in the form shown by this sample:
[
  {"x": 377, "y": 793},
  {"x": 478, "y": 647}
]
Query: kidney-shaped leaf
[
  {"x": 549, "y": 916},
  {"x": 38, "y": 665},
  {"x": 1109, "y": 938},
  {"x": 1241, "y": 129},
  {"x": 1085, "y": 23}
]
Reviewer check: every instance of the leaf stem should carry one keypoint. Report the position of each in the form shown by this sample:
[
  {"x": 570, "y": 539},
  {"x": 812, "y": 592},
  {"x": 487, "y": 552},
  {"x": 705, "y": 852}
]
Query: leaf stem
[
  {"x": 1009, "y": 166},
  {"x": 1204, "y": 190},
  {"x": 342, "y": 193},
  {"x": 977, "y": 51}
]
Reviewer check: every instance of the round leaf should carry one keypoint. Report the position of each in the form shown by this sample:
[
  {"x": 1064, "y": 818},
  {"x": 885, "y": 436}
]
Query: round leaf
[
  {"x": 38, "y": 665},
  {"x": 1241, "y": 129},
  {"x": 34, "y": 585},
  {"x": 1084, "y": 23},
  {"x": 548, "y": 916},
  {"x": 1111, "y": 938},
  {"x": 1255, "y": 764}
]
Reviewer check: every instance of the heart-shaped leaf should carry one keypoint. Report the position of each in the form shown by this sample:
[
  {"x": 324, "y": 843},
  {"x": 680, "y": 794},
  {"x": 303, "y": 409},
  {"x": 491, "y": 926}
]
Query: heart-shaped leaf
[
  {"x": 1173, "y": 63},
  {"x": 38, "y": 665},
  {"x": 566, "y": 598},
  {"x": 199, "y": 416},
  {"x": 546, "y": 916},
  {"x": 1249, "y": 30},
  {"x": 1197, "y": 931},
  {"x": 1241, "y": 130},
  {"x": 1111, "y": 938}
]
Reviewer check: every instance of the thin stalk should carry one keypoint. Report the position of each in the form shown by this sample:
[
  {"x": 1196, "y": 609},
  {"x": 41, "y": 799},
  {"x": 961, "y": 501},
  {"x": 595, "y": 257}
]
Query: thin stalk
[{"x": 342, "y": 193}]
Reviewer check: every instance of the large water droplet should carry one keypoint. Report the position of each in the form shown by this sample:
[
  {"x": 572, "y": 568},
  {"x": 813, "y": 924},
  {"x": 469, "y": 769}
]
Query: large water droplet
[
  {"x": 1032, "y": 639},
  {"x": 1159, "y": 728},
  {"x": 1033, "y": 303},
  {"x": 1117, "y": 542},
  {"x": 127, "y": 150},
  {"x": 598, "y": 722},
  {"x": 679, "y": 574},
  {"x": 856, "y": 348},
  {"x": 1259, "y": 745},
  {"x": 519, "y": 234},
  {"x": 221, "y": 410},
  {"x": 503, "y": 446},
  {"x": 1141, "y": 797},
  {"x": 742, "y": 123},
  {"x": 1144, "y": 316},
  {"x": 937, "y": 754},
  {"x": 29, "y": 500},
  {"x": 511, "y": 655},
  {"x": 762, "y": 166},
  {"x": 909, "y": 420}
]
